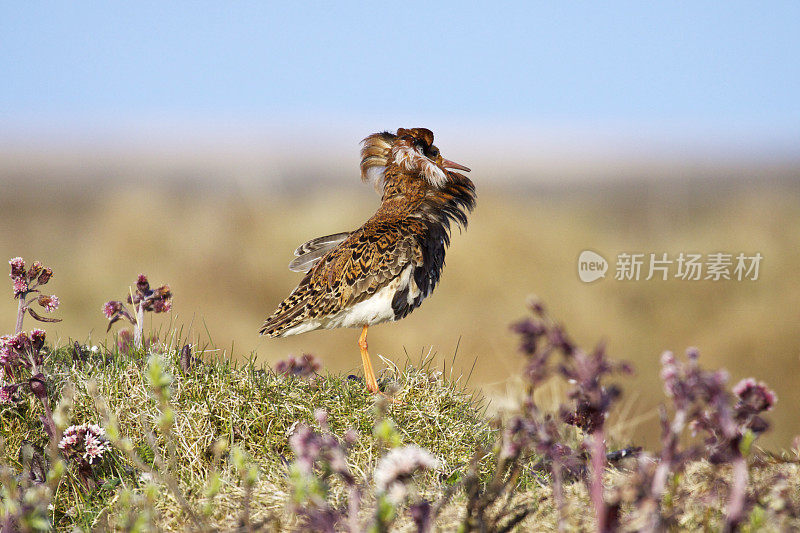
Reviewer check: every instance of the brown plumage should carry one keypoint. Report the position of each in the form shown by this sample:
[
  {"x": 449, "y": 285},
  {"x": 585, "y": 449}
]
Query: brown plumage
[{"x": 383, "y": 270}]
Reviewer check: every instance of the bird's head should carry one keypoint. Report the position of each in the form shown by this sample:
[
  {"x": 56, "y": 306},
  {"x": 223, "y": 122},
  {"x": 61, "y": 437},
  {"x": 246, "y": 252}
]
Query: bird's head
[{"x": 408, "y": 152}]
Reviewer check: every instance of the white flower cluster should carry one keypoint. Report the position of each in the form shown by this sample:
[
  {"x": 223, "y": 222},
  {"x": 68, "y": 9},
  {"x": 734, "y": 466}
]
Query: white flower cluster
[
  {"x": 395, "y": 469},
  {"x": 86, "y": 441}
]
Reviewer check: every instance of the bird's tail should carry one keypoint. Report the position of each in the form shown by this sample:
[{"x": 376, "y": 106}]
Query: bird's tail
[{"x": 288, "y": 315}]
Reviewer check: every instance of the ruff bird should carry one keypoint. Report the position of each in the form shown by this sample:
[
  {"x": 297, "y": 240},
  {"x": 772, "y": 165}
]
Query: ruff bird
[{"x": 383, "y": 270}]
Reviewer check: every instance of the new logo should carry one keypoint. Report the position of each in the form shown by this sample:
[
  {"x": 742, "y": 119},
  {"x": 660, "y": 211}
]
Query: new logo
[{"x": 591, "y": 266}]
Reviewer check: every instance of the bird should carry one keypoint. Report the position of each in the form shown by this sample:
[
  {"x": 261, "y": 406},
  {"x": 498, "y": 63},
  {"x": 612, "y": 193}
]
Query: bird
[{"x": 383, "y": 270}]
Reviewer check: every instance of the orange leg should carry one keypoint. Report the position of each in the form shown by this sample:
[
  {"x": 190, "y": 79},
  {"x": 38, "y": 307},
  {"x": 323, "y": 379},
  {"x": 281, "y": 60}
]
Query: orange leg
[{"x": 369, "y": 374}]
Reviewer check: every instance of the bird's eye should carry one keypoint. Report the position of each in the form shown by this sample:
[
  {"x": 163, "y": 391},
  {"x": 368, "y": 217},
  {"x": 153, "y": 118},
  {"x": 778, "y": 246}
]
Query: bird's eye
[{"x": 432, "y": 152}]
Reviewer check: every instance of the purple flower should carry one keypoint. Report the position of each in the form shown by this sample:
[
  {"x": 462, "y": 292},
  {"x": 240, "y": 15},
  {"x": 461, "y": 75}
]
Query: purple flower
[
  {"x": 20, "y": 342},
  {"x": 37, "y": 339},
  {"x": 20, "y": 287},
  {"x": 312, "y": 448},
  {"x": 755, "y": 395},
  {"x": 530, "y": 332},
  {"x": 306, "y": 446},
  {"x": 142, "y": 285},
  {"x": 7, "y": 393},
  {"x": 17, "y": 267},
  {"x": 94, "y": 447},
  {"x": 50, "y": 303},
  {"x": 162, "y": 306},
  {"x": 303, "y": 366},
  {"x": 142, "y": 299},
  {"x": 84, "y": 443},
  {"x": 159, "y": 300},
  {"x": 125, "y": 343},
  {"x": 6, "y": 354},
  {"x": 558, "y": 338},
  {"x": 535, "y": 305},
  {"x": 7, "y": 390},
  {"x": 111, "y": 308},
  {"x": 69, "y": 439}
]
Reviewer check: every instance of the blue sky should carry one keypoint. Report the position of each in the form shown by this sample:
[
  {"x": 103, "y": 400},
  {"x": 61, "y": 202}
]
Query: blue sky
[{"x": 708, "y": 67}]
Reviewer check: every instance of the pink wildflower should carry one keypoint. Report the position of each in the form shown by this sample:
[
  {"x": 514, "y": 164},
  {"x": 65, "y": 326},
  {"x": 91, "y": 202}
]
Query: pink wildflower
[
  {"x": 17, "y": 267},
  {"x": 303, "y": 366},
  {"x": 50, "y": 303},
  {"x": 20, "y": 342},
  {"x": 85, "y": 443},
  {"x": 111, "y": 308},
  {"x": 68, "y": 440},
  {"x": 142, "y": 284},
  {"x": 6, "y": 392},
  {"x": 5, "y": 355},
  {"x": 755, "y": 394},
  {"x": 162, "y": 306},
  {"x": 20, "y": 287},
  {"x": 6, "y": 350},
  {"x": 37, "y": 338}
]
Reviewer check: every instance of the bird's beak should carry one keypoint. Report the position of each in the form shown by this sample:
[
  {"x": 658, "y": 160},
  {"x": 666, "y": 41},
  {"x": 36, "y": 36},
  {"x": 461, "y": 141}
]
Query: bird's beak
[{"x": 450, "y": 164}]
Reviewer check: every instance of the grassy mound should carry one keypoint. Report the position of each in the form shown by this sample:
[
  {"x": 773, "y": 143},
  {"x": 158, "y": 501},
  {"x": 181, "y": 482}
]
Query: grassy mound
[
  {"x": 207, "y": 445},
  {"x": 252, "y": 408}
]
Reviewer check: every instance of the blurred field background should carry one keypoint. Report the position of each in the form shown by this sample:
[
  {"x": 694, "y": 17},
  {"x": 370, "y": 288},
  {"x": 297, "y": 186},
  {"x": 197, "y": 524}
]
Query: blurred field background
[
  {"x": 200, "y": 144},
  {"x": 224, "y": 251}
]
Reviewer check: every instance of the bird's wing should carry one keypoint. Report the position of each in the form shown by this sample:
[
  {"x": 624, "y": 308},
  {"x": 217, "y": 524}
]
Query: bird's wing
[
  {"x": 366, "y": 261},
  {"x": 321, "y": 242},
  {"x": 309, "y": 253},
  {"x": 369, "y": 260}
]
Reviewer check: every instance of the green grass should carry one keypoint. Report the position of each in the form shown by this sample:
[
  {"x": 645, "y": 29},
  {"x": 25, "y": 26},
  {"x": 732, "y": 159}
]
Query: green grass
[
  {"x": 253, "y": 409},
  {"x": 249, "y": 407}
]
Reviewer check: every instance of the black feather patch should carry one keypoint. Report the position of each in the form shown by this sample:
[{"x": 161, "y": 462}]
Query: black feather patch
[
  {"x": 433, "y": 244},
  {"x": 401, "y": 306}
]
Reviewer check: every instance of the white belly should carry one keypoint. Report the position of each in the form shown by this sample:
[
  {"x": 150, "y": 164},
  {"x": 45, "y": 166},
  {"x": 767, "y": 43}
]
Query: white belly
[{"x": 375, "y": 309}]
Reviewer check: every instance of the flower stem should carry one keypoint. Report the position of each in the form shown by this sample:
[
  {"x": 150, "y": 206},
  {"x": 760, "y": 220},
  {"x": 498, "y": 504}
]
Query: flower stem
[
  {"x": 21, "y": 308},
  {"x": 558, "y": 494},
  {"x": 738, "y": 494},
  {"x": 51, "y": 429},
  {"x": 598, "y": 458},
  {"x": 137, "y": 330}
]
